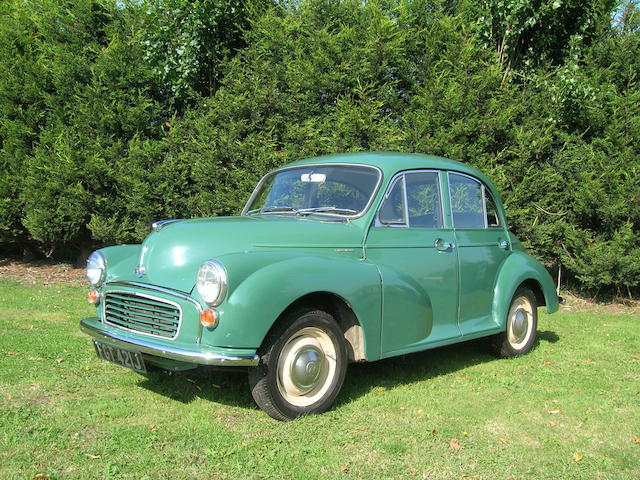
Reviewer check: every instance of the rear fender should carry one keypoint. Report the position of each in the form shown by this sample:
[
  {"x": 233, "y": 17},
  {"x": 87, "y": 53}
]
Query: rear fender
[{"x": 517, "y": 269}]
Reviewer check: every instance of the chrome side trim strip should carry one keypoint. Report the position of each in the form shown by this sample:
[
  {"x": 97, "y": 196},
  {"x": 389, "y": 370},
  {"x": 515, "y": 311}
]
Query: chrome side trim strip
[{"x": 173, "y": 353}]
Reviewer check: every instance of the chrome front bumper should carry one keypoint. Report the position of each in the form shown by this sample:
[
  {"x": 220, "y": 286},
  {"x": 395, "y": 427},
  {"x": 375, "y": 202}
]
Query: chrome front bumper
[{"x": 200, "y": 357}]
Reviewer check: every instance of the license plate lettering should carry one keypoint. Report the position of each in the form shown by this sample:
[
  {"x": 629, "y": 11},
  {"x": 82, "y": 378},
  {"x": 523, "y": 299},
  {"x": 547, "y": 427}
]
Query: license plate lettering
[{"x": 126, "y": 358}]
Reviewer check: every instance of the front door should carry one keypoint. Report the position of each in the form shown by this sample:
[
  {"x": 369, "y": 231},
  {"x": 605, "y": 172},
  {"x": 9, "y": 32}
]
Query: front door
[{"x": 417, "y": 258}]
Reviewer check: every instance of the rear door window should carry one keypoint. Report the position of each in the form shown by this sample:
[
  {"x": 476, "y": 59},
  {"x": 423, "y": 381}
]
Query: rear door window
[{"x": 472, "y": 205}]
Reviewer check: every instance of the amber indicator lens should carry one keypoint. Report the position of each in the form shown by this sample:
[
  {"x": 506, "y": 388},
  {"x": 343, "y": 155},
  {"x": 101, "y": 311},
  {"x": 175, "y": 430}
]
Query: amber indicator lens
[
  {"x": 209, "y": 318},
  {"x": 93, "y": 297}
]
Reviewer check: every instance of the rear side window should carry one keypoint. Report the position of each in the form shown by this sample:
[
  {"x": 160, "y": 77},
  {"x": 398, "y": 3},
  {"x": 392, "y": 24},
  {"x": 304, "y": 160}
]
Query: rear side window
[{"x": 472, "y": 205}]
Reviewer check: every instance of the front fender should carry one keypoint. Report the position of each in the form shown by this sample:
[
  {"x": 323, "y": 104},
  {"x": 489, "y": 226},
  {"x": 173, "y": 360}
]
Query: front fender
[
  {"x": 263, "y": 284},
  {"x": 520, "y": 267}
]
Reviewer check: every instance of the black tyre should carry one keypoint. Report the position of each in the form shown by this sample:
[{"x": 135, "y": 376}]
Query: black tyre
[
  {"x": 522, "y": 321},
  {"x": 302, "y": 366}
]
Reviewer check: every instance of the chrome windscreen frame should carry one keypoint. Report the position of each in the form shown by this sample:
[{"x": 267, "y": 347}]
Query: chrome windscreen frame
[{"x": 374, "y": 192}]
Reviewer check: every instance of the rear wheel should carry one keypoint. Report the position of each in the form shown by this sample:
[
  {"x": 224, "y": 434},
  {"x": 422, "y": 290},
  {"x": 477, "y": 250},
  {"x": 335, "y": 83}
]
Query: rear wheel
[
  {"x": 522, "y": 322},
  {"x": 302, "y": 366}
]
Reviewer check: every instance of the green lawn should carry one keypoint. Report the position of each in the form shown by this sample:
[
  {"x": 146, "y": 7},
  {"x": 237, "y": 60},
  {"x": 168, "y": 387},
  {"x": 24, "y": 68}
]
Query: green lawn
[{"x": 568, "y": 410}]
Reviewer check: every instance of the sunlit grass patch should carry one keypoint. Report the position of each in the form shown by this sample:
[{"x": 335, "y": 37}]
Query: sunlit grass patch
[{"x": 567, "y": 410}]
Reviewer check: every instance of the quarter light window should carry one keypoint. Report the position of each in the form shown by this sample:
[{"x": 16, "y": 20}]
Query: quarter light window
[
  {"x": 493, "y": 219},
  {"x": 393, "y": 210}
]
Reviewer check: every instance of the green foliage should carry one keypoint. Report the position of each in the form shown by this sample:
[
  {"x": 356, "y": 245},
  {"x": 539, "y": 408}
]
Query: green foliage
[
  {"x": 527, "y": 34},
  {"x": 186, "y": 42},
  {"x": 90, "y": 91},
  {"x": 115, "y": 114}
]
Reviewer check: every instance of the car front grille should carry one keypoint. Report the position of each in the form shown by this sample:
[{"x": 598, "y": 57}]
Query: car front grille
[{"x": 142, "y": 313}]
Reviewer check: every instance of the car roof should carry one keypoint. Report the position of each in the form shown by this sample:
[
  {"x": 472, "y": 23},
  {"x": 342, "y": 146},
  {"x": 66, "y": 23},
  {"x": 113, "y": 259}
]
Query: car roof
[{"x": 393, "y": 162}]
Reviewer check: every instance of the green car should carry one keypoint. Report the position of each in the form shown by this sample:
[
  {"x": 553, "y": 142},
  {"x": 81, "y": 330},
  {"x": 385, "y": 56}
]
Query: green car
[{"x": 338, "y": 259}]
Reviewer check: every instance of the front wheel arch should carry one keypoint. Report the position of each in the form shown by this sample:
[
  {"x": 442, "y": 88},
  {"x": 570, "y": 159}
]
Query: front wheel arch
[{"x": 342, "y": 313}]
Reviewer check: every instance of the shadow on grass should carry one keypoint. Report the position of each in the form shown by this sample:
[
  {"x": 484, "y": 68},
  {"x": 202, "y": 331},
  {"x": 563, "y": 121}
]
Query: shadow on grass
[
  {"x": 230, "y": 386},
  {"x": 547, "y": 336},
  {"x": 416, "y": 367}
]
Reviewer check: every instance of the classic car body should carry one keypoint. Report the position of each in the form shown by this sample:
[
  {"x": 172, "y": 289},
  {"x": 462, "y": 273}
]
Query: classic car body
[{"x": 399, "y": 253}]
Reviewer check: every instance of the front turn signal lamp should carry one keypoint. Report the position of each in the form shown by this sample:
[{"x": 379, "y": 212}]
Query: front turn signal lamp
[
  {"x": 93, "y": 297},
  {"x": 209, "y": 318}
]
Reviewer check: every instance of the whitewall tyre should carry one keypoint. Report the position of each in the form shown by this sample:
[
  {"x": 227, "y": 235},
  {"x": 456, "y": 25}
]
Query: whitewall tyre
[
  {"x": 522, "y": 321},
  {"x": 302, "y": 366}
]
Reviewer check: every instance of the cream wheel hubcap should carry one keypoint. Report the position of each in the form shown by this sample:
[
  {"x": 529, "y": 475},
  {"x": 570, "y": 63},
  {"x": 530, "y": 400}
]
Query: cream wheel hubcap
[
  {"x": 520, "y": 322},
  {"x": 306, "y": 366}
]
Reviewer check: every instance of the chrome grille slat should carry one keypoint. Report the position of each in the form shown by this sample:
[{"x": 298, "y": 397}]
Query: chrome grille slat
[
  {"x": 140, "y": 328},
  {"x": 142, "y": 313},
  {"x": 142, "y": 321},
  {"x": 140, "y": 300}
]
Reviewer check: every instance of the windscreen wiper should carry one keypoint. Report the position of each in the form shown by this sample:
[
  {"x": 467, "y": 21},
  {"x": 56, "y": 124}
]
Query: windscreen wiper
[
  {"x": 272, "y": 210},
  {"x": 336, "y": 210}
]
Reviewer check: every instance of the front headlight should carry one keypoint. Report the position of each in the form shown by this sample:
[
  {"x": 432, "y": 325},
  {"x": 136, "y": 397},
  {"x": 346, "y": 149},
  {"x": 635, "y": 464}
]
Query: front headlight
[
  {"x": 96, "y": 268},
  {"x": 212, "y": 282}
]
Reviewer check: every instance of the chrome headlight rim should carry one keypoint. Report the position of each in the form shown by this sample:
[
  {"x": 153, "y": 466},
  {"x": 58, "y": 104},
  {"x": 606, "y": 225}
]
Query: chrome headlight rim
[
  {"x": 209, "y": 271},
  {"x": 96, "y": 269}
]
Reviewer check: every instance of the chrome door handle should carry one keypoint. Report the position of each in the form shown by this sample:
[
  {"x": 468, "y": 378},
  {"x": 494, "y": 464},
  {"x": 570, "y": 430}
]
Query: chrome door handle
[
  {"x": 503, "y": 244},
  {"x": 441, "y": 245}
]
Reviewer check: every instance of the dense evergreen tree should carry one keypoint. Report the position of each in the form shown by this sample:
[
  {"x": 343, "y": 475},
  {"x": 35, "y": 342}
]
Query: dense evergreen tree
[{"x": 116, "y": 114}]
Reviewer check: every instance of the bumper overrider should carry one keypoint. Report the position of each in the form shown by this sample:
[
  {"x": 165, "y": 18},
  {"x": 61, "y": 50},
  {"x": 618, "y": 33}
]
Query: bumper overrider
[{"x": 203, "y": 355}]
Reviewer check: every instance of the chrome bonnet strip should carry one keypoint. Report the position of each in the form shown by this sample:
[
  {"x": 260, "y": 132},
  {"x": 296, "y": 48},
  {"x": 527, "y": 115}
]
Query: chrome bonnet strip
[{"x": 164, "y": 351}]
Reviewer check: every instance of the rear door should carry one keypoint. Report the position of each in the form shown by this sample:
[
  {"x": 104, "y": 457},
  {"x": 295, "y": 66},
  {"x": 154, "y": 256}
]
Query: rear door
[{"x": 482, "y": 247}]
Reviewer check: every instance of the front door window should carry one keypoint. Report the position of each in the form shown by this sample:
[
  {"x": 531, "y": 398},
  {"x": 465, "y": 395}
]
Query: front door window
[{"x": 414, "y": 201}]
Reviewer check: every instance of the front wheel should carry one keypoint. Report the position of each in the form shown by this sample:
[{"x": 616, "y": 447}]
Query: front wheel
[
  {"x": 522, "y": 322},
  {"x": 302, "y": 366}
]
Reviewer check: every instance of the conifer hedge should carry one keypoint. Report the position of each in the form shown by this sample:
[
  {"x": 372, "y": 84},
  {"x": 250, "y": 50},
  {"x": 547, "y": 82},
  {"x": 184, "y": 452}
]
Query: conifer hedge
[{"x": 115, "y": 114}]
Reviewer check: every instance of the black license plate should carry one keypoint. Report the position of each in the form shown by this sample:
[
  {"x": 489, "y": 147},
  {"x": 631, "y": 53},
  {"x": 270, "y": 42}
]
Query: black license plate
[{"x": 126, "y": 358}]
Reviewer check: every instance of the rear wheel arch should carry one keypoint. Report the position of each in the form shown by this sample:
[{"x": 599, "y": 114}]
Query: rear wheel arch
[
  {"x": 536, "y": 288},
  {"x": 519, "y": 334}
]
